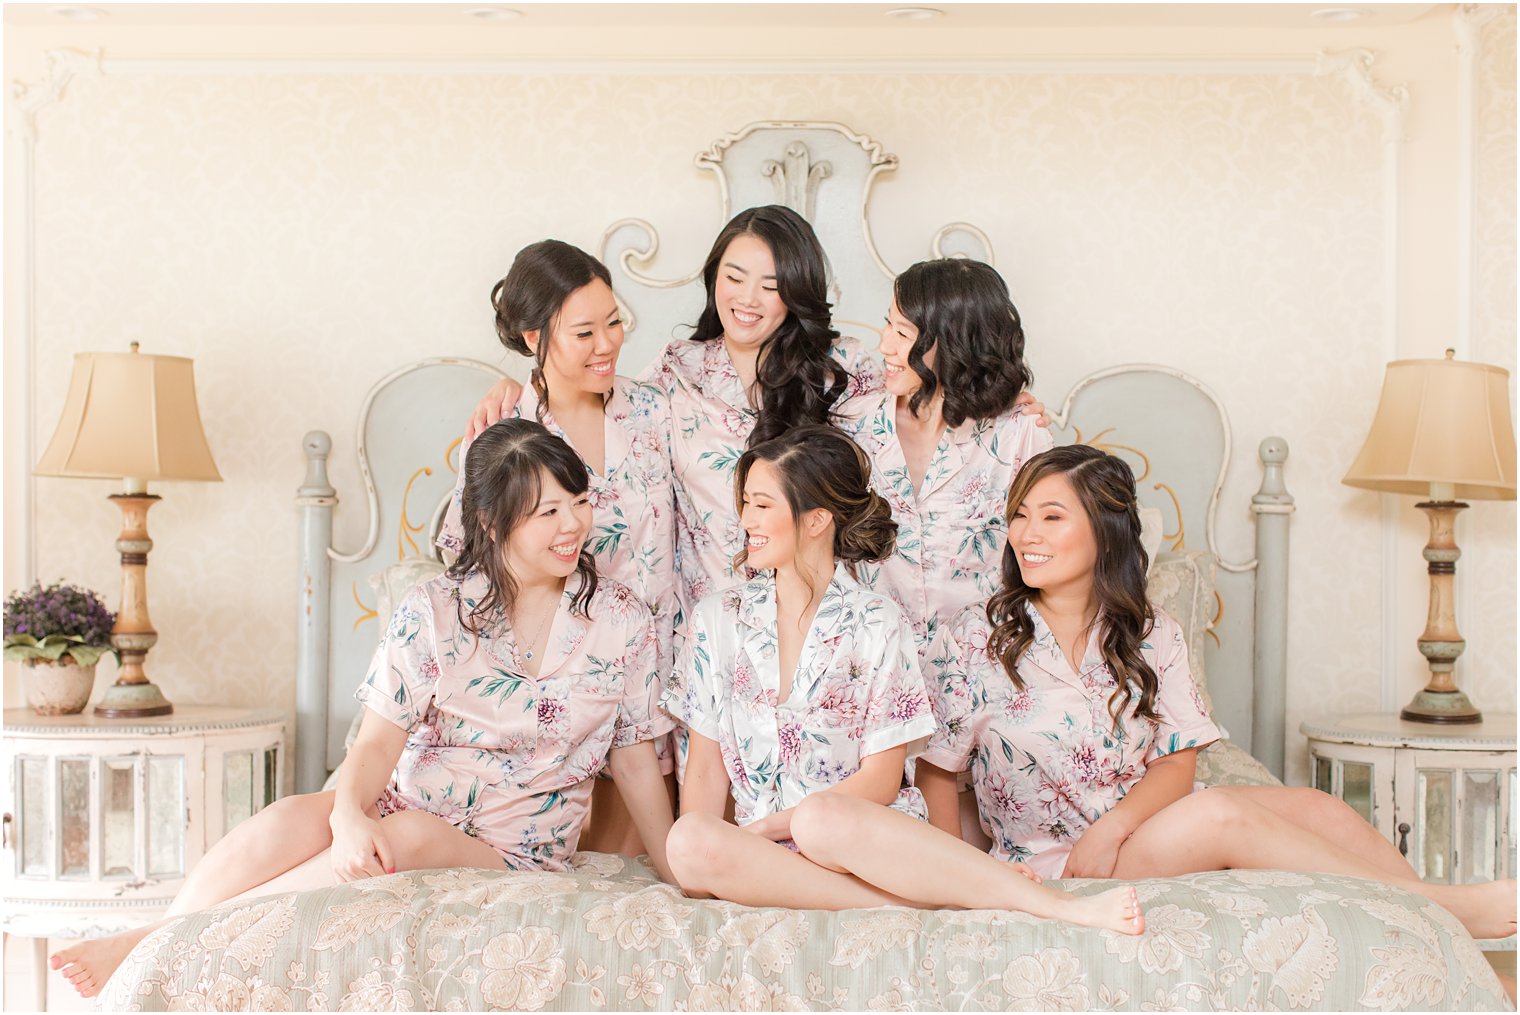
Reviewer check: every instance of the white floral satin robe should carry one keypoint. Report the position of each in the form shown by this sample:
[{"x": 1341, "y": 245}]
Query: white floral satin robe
[
  {"x": 857, "y": 692},
  {"x": 711, "y": 421},
  {"x": 951, "y": 530},
  {"x": 501, "y": 755},
  {"x": 1047, "y": 762}
]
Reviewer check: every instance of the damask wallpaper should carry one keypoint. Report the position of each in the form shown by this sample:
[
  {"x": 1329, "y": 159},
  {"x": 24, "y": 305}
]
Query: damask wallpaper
[{"x": 300, "y": 234}]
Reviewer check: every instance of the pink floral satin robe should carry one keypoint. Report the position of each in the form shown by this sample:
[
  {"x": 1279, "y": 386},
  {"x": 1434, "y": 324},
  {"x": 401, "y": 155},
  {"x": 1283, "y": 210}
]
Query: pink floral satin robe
[
  {"x": 501, "y": 755},
  {"x": 632, "y": 504},
  {"x": 712, "y": 421},
  {"x": 951, "y": 530},
  {"x": 857, "y": 692},
  {"x": 1047, "y": 762}
]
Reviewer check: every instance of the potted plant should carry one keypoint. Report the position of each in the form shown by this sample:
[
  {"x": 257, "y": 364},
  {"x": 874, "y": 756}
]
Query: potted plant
[{"x": 60, "y": 633}]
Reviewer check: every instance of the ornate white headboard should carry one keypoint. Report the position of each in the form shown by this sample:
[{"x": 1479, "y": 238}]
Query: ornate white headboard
[{"x": 1171, "y": 427}]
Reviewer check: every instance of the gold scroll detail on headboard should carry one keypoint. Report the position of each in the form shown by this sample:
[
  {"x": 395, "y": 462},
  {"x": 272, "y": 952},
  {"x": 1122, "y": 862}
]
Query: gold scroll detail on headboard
[
  {"x": 1178, "y": 539},
  {"x": 406, "y": 532}
]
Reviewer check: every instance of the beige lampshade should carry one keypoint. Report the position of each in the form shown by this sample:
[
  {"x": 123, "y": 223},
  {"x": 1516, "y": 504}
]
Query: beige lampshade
[
  {"x": 129, "y": 415},
  {"x": 1440, "y": 421}
]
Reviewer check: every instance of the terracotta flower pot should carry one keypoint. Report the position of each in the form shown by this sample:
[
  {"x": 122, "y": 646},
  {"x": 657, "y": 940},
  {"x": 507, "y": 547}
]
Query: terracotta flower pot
[{"x": 61, "y": 688}]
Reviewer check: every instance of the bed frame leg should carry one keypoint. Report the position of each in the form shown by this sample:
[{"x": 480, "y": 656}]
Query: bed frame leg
[
  {"x": 1272, "y": 506},
  {"x": 316, "y": 499}
]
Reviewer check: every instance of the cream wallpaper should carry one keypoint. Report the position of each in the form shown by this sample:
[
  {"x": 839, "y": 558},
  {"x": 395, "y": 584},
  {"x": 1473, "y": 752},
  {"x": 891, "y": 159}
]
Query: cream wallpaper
[{"x": 301, "y": 234}]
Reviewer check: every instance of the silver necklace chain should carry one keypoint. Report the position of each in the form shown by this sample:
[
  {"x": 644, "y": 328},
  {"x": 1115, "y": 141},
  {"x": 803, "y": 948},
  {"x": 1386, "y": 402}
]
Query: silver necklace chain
[{"x": 528, "y": 653}]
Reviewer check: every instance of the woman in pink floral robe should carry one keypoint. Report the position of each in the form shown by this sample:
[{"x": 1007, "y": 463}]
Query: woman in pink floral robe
[
  {"x": 1071, "y": 699},
  {"x": 500, "y": 688}
]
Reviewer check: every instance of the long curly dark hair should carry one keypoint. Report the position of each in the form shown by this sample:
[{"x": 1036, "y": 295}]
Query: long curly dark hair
[
  {"x": 1105, "y": 486},
  {"x": 962, "y": 310},
  {"x": 503, "y": 481},
  {"x": 541, "y": 279},
  {"x": 799, "y": 380},
  {"x": 821, "y": 467}
]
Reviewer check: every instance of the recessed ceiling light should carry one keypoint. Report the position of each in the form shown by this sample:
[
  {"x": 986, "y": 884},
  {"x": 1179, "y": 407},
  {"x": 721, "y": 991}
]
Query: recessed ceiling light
[
  {"x": 78, "y": 13},
  {"x": 1339, "y": 14},
  {"x": 494, "y": 13},
  {"x": 915, "y": 13}
]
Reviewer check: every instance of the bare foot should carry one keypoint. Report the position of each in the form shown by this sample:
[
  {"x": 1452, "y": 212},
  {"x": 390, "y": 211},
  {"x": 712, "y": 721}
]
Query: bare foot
[
  {"x": 1487, "y": 910},
  {"x": 89, "y": 964},
  {"x": 1117, "y": 909}
]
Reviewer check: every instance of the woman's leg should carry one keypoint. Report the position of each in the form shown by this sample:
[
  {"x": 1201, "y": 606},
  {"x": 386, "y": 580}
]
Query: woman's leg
[
  {"x": 913, "y": 860},
  {"x": 1330, "y": 818},
  {"x": 419, "y": 841},
  {"x": 1210, "y": 830},
  {"x": 711, "y": 857},
  {"x": 282, "y": 836}
]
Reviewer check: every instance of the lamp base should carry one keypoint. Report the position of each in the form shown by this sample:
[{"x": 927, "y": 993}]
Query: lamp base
[
  {"x": 1445, "y": 707},
  {"x": 132, "y": 701}
]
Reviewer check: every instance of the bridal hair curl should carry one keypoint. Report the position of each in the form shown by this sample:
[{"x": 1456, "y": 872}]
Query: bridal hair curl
[
  {"x": 503, "y": 481},
  {"x": 1105, "y": 486},
  {"x": 962, "y": 310},
  {"x": 820, "y": 467},
  {"x": 800, "y": 381},
  {"x": 541, "y": 279}
]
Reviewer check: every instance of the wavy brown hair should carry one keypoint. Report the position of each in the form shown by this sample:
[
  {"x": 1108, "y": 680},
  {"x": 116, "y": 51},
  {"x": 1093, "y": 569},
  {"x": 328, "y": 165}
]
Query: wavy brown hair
[
  {"x": 1105, "y": 486},
  {"x": 821, "y": 467},
  {"x": 961, "y": 308},
  {"x": 503, "y": 481}
]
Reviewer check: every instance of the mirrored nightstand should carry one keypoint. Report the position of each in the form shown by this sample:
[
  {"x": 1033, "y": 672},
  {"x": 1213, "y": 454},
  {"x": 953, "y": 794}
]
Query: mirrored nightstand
[
  {"x": 103, "y": 818},
  {"x": 1445, "y": 795}
]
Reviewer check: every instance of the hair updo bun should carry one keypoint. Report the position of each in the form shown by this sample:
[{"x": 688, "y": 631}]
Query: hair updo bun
[
  {"x": 542, "y": 277},
  {"x": 868, "y": 534},
  {"x": 820, "y": 467}
]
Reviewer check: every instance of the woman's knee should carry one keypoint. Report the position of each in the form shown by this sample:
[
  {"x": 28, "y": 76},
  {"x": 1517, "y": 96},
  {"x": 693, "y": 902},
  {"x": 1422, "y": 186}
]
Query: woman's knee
[
  {"x": 694, "y": 851},
  {"x": 824, "y": 819},
  {"x": 1216, "y": 811}
]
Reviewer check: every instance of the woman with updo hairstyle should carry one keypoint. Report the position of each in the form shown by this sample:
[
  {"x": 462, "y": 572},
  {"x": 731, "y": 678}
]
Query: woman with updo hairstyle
[
  {"x": 556, "y": 307},
  {"x": 449, "y": 769},
  {"x": 797, "y": 681}
]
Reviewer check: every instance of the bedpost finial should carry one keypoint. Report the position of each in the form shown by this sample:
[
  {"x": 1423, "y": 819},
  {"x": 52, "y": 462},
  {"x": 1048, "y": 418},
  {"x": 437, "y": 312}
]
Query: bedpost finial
[
  {"x": 1273, "y": 451},
  {"x": 1273, "y": 497},
  {"x": 316, "y": 444},
  {"x": 316, "y": 490}
]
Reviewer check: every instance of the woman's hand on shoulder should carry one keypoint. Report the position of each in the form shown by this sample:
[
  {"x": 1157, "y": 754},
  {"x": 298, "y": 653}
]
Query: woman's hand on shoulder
[
  {"x": 1096, "y": 852},
  {"x": 360, "y": 848},
  {"x": 1028, "y": 405},
  {"x": 500, "y": 400}
]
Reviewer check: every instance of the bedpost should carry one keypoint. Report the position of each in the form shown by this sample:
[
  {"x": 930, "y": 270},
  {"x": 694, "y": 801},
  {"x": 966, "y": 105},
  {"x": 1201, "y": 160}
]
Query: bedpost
[
  {"x": 315, "y": 498},
  {"x": 1272, "y": 506}
]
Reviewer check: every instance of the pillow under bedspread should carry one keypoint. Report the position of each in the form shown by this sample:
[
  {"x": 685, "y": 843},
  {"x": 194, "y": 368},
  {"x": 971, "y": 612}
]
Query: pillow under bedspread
[{"x": 606, "y": 935}]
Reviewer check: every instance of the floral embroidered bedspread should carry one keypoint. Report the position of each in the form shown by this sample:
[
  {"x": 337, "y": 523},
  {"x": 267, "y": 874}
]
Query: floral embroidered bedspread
[{"x": 606, "y": 935}]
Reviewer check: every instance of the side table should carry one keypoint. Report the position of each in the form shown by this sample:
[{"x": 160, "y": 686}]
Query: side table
[
  {"x": 1445, "y": 795},
  {"x": 103, "y": 818}
]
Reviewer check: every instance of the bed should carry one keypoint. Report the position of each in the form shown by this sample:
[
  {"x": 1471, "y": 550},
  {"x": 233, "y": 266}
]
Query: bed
[{"x": 607, "y": 935}]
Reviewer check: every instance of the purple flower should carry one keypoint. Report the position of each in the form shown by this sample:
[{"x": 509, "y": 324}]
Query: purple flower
[{"x": 59, "y": 610}]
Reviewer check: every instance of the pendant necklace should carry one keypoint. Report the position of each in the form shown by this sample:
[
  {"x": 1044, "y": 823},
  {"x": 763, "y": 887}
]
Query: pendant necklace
[{"x": 540, "y": 630}]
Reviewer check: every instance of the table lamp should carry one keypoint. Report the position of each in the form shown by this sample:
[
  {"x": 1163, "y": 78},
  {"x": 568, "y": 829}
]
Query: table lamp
[
  {"x": 131, "y": 417},
  {"x": 1442, "y": 430}
]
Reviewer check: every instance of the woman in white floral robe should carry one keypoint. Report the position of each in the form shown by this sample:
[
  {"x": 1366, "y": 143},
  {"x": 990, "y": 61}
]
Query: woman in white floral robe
[
  {"x": 500, "y": 688},
  {"x": 798, "y": 682},
  {"x": 1076, "y": 770}
]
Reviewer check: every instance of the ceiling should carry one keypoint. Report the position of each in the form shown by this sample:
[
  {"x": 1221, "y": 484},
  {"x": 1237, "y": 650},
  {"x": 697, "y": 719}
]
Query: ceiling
[{"x": 961, "y": 16}]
